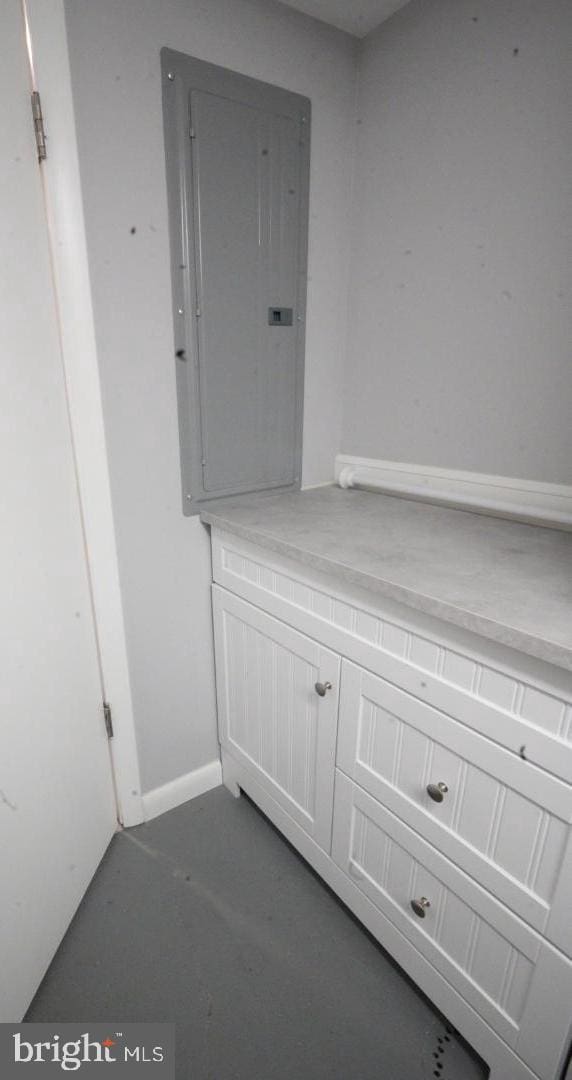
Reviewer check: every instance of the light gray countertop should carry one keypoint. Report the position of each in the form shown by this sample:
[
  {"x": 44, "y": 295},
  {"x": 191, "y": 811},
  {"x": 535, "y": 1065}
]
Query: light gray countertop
[{"x": 506, "y": 581}]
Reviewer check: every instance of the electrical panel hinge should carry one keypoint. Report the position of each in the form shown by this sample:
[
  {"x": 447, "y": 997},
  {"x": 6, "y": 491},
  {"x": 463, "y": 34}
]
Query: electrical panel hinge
[
  {"x": 39, "y": 126},
  {"x": 108, "y": 719}
]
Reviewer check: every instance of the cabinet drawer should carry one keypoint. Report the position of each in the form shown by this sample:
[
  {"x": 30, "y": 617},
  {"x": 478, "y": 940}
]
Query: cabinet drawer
[
  {"x": 502, "y": 820},
  {"x": 499, "y": 965},
  {"x": 270, "y": 715}
]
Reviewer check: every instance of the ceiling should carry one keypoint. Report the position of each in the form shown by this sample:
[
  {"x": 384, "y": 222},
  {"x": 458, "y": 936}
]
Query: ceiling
[{"x": 356, "y": 16}]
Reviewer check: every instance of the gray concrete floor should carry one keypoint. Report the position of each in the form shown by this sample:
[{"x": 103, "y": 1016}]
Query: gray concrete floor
[{"x": 207, "y": 918}]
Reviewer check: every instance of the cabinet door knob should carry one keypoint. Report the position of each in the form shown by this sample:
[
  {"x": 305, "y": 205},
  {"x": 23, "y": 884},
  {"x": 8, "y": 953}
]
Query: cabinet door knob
[
  {"x": 322, "y": 687},
  {"x": 420, "y": 906},
  {"x": 437, "y": 791}
]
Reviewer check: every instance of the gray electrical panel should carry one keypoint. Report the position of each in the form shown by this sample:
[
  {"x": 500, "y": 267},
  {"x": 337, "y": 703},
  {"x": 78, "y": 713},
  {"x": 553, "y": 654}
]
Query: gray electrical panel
[{"x": 237, "y": 153}]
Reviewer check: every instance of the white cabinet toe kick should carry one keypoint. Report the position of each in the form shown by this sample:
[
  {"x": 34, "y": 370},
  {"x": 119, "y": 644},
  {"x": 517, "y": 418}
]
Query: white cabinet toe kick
[{"x": 425, "y": 774}]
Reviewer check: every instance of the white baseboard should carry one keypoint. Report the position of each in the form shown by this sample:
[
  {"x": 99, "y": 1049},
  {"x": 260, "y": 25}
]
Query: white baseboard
[
  {"x": 314, "y": 487},
  {"x": 168, "y": 796},
  {"x": 532, "y": 501}
]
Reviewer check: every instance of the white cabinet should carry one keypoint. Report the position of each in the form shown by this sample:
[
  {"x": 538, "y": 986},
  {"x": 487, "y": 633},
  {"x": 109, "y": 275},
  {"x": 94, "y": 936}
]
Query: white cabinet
[
  {"x": 424, "y": 774},
  {"x": 271, "y": 716}
]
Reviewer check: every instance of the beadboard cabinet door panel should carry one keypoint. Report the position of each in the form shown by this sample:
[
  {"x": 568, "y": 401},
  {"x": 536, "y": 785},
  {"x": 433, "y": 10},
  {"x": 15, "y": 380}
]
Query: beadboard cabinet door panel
[
  {"x": 499, "y": 965},
  {"x": 271, "y": 716},
  {"x": 502, "y": 820}
]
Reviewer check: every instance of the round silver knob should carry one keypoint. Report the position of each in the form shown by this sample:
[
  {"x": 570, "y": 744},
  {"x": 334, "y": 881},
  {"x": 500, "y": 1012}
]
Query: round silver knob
[
  {"x": 322, "y": 687},
  {"x": 420, "y": 906},
  {"x": 437, "y": 792}
]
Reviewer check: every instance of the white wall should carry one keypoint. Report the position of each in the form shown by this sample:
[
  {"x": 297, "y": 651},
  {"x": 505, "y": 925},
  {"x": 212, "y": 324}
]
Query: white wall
[
  {"x": 460, "y": 311},
  {"x": 164, "y": 557}
]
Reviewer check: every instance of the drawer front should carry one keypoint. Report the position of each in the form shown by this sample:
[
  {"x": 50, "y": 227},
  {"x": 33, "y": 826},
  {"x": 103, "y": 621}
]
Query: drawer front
[
  {"x": 501, "y": 819},
  {"x": 502, "y": 968},
  {"x": 512, "y": 699},
  {"x": 270, "y": 715}
]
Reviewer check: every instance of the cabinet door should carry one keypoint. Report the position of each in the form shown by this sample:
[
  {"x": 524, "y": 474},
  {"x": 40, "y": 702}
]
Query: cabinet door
[{"x": 271, "y": 718}]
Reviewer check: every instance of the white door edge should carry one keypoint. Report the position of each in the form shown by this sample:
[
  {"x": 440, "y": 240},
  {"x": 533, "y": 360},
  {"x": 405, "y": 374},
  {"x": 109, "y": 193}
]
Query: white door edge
[{"x": 64, "y": 208}]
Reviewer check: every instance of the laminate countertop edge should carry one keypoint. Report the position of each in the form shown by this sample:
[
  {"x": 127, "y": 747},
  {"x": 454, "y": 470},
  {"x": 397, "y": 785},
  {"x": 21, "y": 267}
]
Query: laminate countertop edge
[{"x": 227, "y": 517}]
